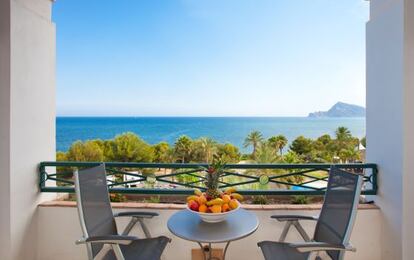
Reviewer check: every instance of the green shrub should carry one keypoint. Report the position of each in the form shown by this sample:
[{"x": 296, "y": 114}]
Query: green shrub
[
  {"x": 154, "y": 199},
  {"x": 300, "y": 199},
  {"x": 116, "y": 197},
  {"x": 262, "y": 200}
]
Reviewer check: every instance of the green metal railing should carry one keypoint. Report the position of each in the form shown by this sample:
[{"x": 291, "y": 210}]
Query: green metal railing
[{"x": 250, "y": 179}]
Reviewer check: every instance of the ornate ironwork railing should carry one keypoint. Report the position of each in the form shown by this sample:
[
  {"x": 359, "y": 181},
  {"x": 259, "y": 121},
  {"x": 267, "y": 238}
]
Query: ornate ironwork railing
[{"x": 251, "y": 179}]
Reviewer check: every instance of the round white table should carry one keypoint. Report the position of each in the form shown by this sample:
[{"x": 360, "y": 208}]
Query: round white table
[{"x": 188, "y": 225}]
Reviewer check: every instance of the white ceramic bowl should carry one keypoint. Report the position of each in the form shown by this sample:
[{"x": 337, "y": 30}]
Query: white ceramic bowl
[{"x": 214, "y": 217}]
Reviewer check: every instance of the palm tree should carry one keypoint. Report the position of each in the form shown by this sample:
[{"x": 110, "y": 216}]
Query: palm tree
[
  {"x": 161, "y": 152},
  {"x": 209, "y": 147},
  {"x": 348, "y": 155},
  {"x": 278, "y": 142},
  {"x": 292, "y": 158},
  {"x": 182, "y": 147},
  {"x": 254, "y": 139},
  {"x": 266, "y": 154},
  {"x": 345, "y": 141},
  {"x": 342, "y": 133},
  {"x": 170, "y": 157},
  {"x": 282, "y": 141}
]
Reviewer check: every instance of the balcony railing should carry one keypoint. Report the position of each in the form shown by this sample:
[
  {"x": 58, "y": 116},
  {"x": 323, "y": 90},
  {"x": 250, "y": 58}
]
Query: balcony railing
[{"x": 161, "y": 178}]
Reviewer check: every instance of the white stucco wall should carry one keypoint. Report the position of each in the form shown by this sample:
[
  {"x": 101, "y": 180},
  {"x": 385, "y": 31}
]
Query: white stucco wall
[
  {"x": 59, "y": 228},
  {"x": 390, "y": 120},
  {"x": 408, "y": 132},
  {"x": 27, "y": 118},
  {"x": 4, "y": 129},
  {"x": 384, "y": 115}
]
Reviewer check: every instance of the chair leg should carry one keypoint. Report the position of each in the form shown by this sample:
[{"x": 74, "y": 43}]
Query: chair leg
[
  {"x": 144, "y": 228},
  {"x": 130, "y": 225},
  {"x": 318, "y": 255},
  {"x": 301, "y": 231},
  {"x": 298, "y": 227},
  {"x": 118, "y": 252},
  {"x": 285, "y": 231},
  {"x": 104, "y": 250},
  {"x": 313, "y": 255}
]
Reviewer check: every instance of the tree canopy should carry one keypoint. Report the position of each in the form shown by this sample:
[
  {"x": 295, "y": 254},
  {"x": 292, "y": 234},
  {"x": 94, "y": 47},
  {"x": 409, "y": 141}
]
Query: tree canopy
[
  {"x": 254, "y": 139},
  {"x": 129, "y": 147}
]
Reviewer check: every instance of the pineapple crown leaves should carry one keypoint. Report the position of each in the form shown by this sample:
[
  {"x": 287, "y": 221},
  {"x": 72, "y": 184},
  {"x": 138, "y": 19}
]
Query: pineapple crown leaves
[
  {"x": 217, "y": 166},
  {"x": 214, "y": 171}
]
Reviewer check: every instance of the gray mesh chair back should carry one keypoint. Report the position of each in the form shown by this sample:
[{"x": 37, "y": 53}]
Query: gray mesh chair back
[
  {"x": 338, "y": 213},
  {"x": 94, "y": 207}
]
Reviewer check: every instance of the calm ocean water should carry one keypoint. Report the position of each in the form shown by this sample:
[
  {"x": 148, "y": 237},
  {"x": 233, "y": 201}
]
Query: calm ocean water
[{"x": 222, "y": 129}]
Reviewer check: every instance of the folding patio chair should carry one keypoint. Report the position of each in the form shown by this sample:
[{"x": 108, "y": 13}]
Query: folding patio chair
[
  {"x": 98, "y": 224},
  {"x": 333, "y": 227}
]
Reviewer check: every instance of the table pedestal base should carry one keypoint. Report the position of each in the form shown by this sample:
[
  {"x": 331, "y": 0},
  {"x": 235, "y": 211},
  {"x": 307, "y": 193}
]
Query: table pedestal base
[{"x": 208, "y": 255}]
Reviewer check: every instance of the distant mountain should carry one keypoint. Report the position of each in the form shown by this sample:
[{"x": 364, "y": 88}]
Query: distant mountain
[{"x": 341, "y": 109}]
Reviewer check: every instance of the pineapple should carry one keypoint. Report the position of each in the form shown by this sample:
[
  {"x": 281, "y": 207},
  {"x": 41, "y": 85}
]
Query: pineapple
[
  {"x": 212, "y": 180},
  {"x": 214, "y": 173}
]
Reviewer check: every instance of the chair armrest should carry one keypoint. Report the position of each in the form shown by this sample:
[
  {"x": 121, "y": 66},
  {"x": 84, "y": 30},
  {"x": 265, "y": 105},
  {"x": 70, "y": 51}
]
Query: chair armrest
[
  {"x": 293, "y": 217},
  {"x": 138, "y": 214},
  {"x": 108, "y": 239},
  {"x": 304, "y": 247}
]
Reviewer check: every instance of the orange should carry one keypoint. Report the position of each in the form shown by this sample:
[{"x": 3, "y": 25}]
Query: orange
[
  {"x": 226, "y": 198},
  {"x": 201, "y": 200},
  {"x": 233, "y": 204},
  {"x": 225, "y": 207},
  {"x": 215, "y": 208},
  {"x": 202, "y": 208}
]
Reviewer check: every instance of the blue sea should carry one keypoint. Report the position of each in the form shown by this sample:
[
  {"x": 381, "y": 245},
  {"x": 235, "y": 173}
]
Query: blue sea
[{"x": 223, "y": 129}]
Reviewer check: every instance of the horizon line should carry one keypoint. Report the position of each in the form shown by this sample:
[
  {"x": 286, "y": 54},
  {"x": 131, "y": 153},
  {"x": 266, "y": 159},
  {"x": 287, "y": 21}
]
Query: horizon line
[{"x": 199, "y": 116}]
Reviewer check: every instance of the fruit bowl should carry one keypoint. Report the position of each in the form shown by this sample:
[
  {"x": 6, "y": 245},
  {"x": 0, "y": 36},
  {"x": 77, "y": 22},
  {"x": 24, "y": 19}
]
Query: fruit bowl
[
  {"x": 214, "y": 205},
  {"x": 213, "y": 217}
]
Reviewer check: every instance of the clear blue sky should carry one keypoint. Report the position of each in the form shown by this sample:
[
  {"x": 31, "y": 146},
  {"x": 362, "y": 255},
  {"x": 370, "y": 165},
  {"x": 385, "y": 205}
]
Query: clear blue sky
[{"x": 208, "y": 57}]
